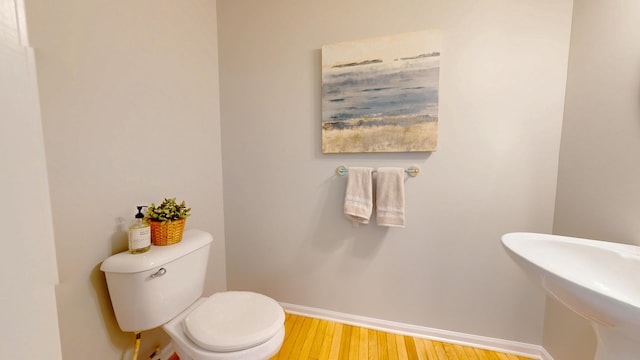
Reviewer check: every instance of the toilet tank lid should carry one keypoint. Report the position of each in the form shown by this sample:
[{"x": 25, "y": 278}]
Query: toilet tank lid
[{"x": 125, "y": 262}]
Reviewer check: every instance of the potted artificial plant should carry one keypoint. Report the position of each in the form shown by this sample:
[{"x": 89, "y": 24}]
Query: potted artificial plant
[{"x": 167, "y": 221}]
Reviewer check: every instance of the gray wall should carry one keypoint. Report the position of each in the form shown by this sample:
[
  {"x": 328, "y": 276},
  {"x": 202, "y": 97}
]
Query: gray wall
[
  {"x": 130, "y": 110},
  {"x": 598, "y": 194},
  {"x": 117, "y": 77},
  {"x": 501, "y": 101}
]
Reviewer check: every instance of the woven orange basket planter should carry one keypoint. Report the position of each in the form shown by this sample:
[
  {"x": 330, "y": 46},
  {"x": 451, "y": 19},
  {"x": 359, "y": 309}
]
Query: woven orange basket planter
[{"x": 168, "y": 233}]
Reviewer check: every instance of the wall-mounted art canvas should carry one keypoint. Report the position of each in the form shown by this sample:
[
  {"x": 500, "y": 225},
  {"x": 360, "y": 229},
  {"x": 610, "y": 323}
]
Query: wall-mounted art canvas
[{"x": 381, "y": 95}]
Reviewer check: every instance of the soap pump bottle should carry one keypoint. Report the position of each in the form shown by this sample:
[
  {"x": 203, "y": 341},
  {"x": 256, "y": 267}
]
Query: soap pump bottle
[{"x": 139, "y": 234}]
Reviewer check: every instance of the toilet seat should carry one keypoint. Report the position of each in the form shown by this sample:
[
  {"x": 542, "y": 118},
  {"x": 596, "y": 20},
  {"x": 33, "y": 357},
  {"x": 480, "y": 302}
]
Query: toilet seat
[
  {"x": 187, "y": 349},
  {"x": 233, "y": 320}
]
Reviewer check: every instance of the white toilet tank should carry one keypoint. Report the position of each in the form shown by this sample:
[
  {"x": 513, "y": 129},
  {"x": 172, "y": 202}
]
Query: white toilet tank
[{"x": 149, "y": 289}]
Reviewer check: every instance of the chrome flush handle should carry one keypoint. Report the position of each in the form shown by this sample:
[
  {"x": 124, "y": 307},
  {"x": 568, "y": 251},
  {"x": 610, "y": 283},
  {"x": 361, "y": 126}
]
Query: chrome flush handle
[{"x": 159, "y": 273}]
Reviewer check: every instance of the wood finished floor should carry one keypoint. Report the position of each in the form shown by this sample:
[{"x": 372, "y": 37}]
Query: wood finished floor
[{"x": 308, "y": 338}]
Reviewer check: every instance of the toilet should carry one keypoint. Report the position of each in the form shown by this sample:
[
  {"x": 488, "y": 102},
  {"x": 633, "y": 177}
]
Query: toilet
[{"x": 164, "y": 286}]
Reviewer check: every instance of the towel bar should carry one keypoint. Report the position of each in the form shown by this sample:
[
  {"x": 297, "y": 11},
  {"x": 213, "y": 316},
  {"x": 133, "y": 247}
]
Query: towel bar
[{"x": 412, "y": 170}]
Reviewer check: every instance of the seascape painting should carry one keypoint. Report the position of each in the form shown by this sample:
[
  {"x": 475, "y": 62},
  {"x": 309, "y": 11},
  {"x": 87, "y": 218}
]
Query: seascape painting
[{"x": 381, "y": 95}]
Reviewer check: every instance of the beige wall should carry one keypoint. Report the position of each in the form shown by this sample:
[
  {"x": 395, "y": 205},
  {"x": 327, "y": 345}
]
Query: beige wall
[
  {"x": 28, "y": 272},
  {"x": 599, "y": 173},
  {"x": 130, "y": 110},
  {"x": 501, "y": 102}
]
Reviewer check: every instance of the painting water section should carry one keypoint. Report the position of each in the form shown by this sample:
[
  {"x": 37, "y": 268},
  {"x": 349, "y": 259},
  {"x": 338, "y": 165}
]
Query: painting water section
[{"x": 400, "y": 92}]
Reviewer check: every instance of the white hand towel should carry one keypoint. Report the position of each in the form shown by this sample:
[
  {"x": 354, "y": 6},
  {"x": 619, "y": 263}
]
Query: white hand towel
[
  {"x": 390, "y": 197},
  {"x": 358, "y": 199}
]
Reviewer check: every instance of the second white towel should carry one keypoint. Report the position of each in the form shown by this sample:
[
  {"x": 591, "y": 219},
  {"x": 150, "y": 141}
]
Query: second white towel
[{"x": 390, "y": 197}]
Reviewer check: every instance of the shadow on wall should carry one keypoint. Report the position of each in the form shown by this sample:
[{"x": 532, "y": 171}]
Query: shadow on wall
[
  {"x": 118, "y": 243},
  {"x": 118, "y": 338},
  {"x": 571, "y": 337},
  {"x": 365, "y": 239},
  {"x": 119, "y": 239}
]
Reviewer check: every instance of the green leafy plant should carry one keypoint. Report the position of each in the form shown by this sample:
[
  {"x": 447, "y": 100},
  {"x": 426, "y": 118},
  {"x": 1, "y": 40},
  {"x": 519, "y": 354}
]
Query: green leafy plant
[{"x": 168, "y": 210}]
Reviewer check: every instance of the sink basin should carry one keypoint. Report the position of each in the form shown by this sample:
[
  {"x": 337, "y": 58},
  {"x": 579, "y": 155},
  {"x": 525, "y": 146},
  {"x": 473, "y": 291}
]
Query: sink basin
[{"x": 598, "y": 280}]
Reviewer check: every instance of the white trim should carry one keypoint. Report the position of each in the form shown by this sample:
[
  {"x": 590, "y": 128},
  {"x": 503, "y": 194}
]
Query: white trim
[
  {"x": 544, "y": 355},
  {"x": 482, "y": 342}
]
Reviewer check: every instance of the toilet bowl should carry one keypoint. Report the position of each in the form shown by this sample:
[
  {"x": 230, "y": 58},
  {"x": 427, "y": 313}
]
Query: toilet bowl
[
  {"x": 164, "y": 286},
  {"x": 229, "y": 326}
]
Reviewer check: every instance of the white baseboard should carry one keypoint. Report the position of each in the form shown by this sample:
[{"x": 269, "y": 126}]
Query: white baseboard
[
  {"x": 482, "y": 342},
  {"x": 544, "y": 355}
]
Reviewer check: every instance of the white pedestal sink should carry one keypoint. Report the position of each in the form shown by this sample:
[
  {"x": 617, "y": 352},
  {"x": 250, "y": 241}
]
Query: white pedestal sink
[{"x": 598, "y": 280}]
